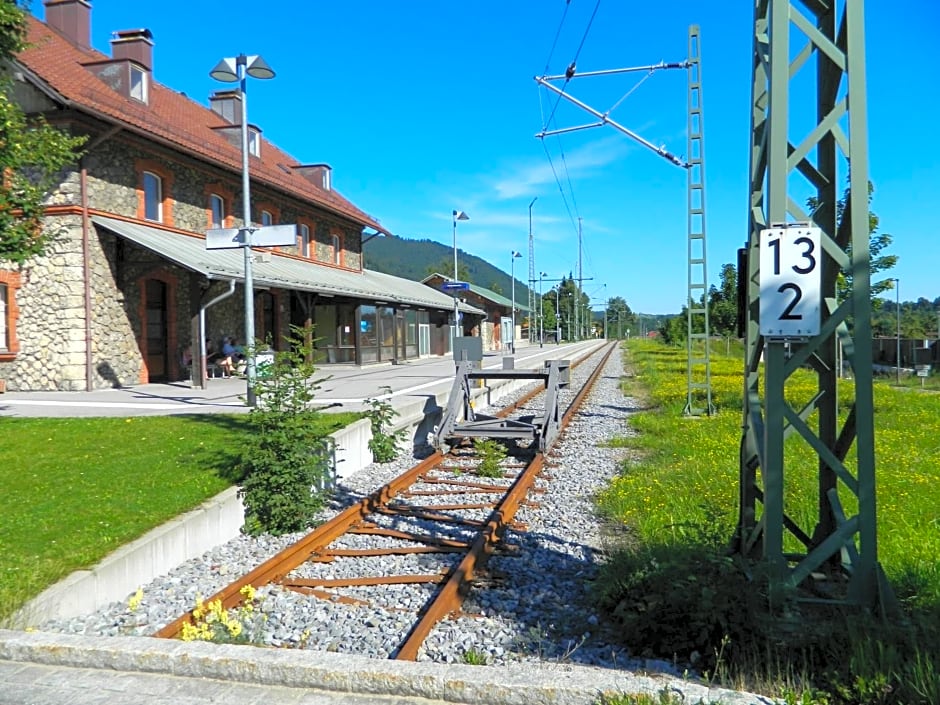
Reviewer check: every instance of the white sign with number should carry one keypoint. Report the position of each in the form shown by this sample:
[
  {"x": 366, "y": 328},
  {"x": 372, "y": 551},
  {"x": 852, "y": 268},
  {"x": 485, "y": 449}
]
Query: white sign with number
[{"x": 790, "y": 281}]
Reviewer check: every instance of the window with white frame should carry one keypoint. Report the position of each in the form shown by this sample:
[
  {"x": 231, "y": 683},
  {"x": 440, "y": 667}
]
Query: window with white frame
[
  {"x": 139, "y": 81},
  {"x": 254, "y": 142},
  {"x": 217, "y": 210},
  {"x": 153, "y": 197},
  {"x": 266, "y": 218},
  {"x": 304, "y": 240},
  {"x": 337, "y": 249}
]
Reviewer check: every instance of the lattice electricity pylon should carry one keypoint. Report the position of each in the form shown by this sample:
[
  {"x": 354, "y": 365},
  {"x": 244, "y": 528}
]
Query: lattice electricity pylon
[
  {"x": 698, "y": 367},
  {"x": 793, "y": 317}
]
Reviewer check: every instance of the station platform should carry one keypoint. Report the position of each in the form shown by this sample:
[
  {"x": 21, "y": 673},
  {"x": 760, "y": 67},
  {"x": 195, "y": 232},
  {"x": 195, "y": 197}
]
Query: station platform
[{"x": 342, "y": 388}]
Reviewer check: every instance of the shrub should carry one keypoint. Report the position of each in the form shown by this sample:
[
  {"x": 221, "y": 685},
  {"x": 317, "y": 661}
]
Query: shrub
[
  {"x": 284, "y": 466},
  {"x": 384, "y": 445},
  {"x": 491, "y": 454}
]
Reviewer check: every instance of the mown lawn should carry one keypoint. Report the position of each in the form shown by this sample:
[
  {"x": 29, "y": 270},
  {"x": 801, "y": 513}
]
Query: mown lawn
[{"x": 75, "y": 489}]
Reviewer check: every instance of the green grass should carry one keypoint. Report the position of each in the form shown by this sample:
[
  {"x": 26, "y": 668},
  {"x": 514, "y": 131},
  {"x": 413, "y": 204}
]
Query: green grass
[
  {"x": 678, "y": 506},
  {"x": 75, "y": 489}
]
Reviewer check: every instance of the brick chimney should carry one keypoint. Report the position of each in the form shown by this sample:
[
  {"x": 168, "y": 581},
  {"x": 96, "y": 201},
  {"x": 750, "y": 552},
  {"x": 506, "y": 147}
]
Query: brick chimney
[
  {"x": 71, "y": 19},
  {"x": 135, "y": 45}
]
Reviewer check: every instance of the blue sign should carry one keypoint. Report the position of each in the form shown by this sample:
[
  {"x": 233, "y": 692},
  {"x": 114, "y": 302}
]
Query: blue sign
[{"x": 455, "y": 286}]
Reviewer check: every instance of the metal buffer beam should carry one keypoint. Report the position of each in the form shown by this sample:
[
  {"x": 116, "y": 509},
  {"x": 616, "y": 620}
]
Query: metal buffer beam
[{"x": 460, "y": 420}]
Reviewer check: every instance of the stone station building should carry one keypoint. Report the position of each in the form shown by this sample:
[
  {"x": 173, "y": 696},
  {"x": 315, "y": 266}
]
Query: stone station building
[{"x": 127, "y": 285}]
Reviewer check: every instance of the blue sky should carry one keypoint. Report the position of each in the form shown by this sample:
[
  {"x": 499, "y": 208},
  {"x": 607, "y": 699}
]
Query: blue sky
[{"x": 426, "y": 106}]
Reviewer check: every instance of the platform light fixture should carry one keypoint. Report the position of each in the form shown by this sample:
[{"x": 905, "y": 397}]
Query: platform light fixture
[
  {"x": 458, "y": 215},
  {"x": 230, "y": 70}
]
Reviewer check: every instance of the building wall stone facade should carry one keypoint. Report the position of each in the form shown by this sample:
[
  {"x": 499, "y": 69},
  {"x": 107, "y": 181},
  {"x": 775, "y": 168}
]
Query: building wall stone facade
[{"x": 52, "y": 326}]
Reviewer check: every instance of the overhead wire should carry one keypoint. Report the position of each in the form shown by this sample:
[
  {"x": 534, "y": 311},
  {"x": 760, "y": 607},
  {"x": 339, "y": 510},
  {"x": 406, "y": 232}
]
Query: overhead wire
[
  {"x": 561, "y": 24},
  {"x": 569, "y": 72}
]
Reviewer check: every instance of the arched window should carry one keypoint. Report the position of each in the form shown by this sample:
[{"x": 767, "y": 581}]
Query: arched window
[
  {"x": 304, "y": 240},
  {"x": 153, "y": 197},
  {"x": 267, "y": 218}
]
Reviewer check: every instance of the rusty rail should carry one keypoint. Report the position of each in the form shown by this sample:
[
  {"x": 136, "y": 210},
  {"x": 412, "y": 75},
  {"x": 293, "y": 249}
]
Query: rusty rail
[
  {"x": 313, "y": 546},
  {"x": 450, "y": 597}
]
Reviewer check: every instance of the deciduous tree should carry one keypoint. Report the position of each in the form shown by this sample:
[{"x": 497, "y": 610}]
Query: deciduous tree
[{"x": 32, "y": 153}]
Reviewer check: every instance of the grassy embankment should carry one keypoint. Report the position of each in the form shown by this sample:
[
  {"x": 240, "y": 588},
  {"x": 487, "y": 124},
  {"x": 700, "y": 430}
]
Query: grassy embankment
[
  {"x": 678, "y": 593},
  {"x": 76, "y": 489}
]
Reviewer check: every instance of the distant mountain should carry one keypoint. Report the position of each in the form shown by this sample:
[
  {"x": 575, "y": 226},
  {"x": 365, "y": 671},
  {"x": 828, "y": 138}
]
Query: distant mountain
[{"x": 411, "y": 259}]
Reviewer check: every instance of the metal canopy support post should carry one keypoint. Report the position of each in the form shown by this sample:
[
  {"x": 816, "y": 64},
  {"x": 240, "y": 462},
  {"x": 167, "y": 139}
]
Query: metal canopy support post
[
  {"x": 698, "y": 367},
  {"x": 829, "y": 45}
]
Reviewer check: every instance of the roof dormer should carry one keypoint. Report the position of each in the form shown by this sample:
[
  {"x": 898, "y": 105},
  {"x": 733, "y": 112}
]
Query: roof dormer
[
  {"x": 129, "y": 70},
  {"x": 320, "y": 175}
]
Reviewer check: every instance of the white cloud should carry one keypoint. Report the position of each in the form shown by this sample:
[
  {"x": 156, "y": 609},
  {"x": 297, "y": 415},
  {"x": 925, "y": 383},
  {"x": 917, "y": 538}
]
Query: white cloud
[{"x": 581, "y": 162}]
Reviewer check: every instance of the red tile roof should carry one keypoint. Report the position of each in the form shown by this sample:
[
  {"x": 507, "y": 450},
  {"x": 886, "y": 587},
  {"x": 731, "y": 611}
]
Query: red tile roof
[{"x": 169, "y": 116}]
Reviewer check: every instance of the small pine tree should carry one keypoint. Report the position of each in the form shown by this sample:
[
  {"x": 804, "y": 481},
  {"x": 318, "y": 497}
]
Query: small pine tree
[{"x": 284, "y": 463}]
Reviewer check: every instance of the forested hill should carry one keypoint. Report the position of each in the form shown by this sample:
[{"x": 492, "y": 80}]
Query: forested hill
[{"x": 415, "y": 259}]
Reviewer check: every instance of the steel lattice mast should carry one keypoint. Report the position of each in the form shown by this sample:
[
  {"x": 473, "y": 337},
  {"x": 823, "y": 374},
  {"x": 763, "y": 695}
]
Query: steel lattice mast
[
  {"x": 698, "y": 367},
  {"x": 802, "y": 45}
]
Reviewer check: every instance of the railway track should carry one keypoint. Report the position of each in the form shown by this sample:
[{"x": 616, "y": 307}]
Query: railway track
[{"x": 436, "y": 524}]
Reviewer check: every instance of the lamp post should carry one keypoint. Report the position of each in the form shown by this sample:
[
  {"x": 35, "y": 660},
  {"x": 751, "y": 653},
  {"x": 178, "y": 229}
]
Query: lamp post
[
  {"x": 458, "y": 215},
  {"x": 897, "y": 299},
  {"x": 531, "y": 267},
  {"x": 542, "y": 276},
  {"x": 230, "y": 70},
  {"x": 512, "y": 336},
  {"x": 557, "y": 316}
]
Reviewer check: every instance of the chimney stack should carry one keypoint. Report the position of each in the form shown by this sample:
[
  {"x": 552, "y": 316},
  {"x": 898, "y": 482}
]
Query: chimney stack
[
  {"x": 135, "y": 45},
  {"x": 228, "y": 105},
  {"x": 71, "y": 19}
]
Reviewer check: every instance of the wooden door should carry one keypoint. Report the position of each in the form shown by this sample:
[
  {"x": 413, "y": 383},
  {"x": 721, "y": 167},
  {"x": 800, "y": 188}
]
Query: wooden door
[{"x": 155, "y": 330}]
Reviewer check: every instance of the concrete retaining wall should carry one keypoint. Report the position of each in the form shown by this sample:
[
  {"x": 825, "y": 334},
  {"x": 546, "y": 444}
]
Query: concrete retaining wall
[{"x": 220, "y": 519}]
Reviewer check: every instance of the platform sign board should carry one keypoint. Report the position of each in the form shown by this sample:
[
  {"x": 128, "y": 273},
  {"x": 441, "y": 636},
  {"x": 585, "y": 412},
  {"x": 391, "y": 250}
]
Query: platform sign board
[
  {"x": 265, "y": 236},
  {"x": 790, "y": 281},
  {"x": 455, "y": 286}
]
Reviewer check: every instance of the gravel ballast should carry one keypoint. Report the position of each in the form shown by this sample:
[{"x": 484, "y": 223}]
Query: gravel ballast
[{"x": 531, "y": 604}]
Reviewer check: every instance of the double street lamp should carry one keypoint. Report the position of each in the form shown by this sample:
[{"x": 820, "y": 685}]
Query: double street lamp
[
  {"x": 230, "y": 70},
  {"x": 458, "y": 215},
  {"x": 512, "y": 335}
]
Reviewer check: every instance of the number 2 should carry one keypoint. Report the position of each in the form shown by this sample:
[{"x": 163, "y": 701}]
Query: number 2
[{"x": 788, "y": 314}]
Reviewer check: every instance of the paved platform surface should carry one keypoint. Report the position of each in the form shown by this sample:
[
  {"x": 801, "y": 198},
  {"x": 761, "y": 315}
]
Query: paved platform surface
[
  {"x": 343, "y": 388},
  {"x": 39, "y": 669}
]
